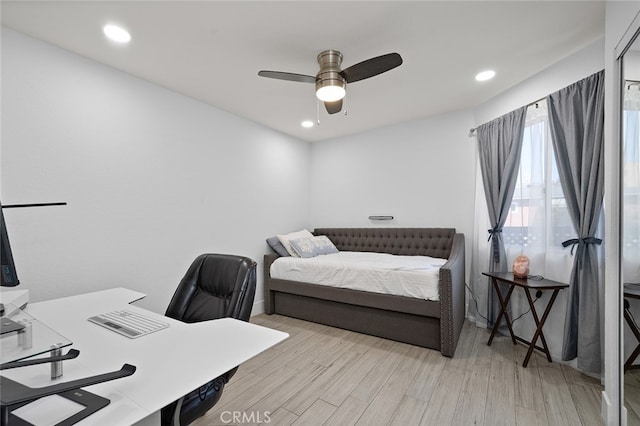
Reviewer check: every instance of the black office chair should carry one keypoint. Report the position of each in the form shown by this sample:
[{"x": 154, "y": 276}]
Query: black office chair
[{"x": 215, "y": 286}]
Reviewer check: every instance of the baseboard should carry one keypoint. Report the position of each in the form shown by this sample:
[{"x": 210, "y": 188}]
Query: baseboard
[
  {"x": 258, "y": 308},
  {"x": 610, "y": 413}
]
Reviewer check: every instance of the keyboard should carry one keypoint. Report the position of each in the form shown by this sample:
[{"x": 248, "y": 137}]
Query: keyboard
[{"x": 128, "y": 323}]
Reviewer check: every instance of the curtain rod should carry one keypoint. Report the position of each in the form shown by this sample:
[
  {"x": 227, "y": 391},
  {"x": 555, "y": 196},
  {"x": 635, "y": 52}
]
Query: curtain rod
[{"x": 473, "y": 130}]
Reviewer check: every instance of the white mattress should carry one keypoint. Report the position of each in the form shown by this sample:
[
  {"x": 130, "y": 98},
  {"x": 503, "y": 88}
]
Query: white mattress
[{"x": 410, "y": 276}]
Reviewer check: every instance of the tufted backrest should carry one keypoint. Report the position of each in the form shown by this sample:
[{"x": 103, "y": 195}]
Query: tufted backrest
[
  {"x": 215, "y": 286},
  {"x": 434, "y": 242}
]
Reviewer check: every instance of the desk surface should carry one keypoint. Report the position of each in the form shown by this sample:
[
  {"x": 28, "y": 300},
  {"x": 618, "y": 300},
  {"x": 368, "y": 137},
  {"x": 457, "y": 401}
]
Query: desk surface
[
  {"x": 170, "y": 362},
  {"x": 543, "y": 284},
  {"x": 34, "y": 339}
]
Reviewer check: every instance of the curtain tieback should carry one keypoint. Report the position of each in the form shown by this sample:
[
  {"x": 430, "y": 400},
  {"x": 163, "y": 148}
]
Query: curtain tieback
[
  {"x": 580, "y": 241},
  {"x": 493, "y": 233}
]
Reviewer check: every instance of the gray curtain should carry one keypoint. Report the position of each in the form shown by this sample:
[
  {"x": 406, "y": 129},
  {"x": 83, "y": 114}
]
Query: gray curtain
[
  {"x": 500, "y": 145},
  {"x": 576, "y": 119}
]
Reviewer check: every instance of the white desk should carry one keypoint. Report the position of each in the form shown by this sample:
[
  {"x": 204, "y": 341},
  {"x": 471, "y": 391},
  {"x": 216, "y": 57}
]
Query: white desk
[{"x": 170, "y": 362}]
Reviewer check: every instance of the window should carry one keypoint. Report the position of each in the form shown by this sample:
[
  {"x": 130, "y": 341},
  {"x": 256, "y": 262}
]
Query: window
[{"x": 540, "y": 220}]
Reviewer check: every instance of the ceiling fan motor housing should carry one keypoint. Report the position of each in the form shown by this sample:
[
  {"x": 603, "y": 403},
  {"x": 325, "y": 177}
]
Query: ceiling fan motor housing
[{"x": 329, "y": 74}]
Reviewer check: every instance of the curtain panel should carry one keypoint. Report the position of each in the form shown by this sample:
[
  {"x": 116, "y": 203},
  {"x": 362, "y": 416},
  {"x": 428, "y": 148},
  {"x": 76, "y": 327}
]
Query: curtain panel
[
  {"x": 499, "y": 148},
  {"x": 576, "y": 120}
]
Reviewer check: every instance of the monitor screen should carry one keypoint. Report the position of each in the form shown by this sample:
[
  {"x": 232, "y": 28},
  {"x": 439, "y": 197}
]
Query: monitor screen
[{"x": 9, "y": 275}]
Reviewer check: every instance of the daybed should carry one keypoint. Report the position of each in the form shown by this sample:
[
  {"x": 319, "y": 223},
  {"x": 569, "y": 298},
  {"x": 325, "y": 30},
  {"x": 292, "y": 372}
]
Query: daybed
[{"x": 431, "y": 324}]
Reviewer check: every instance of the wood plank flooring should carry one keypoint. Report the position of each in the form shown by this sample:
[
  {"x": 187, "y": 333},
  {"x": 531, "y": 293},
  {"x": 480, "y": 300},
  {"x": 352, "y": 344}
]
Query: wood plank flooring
[
  {"x": 328, "y": 376},
  {"x": 632, "y": 397}
]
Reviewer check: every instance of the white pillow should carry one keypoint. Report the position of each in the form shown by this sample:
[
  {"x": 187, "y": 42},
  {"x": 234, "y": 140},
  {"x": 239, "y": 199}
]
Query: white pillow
[
  {"x": 314, "y": 246},
  {"x": 286, "y": 240}
]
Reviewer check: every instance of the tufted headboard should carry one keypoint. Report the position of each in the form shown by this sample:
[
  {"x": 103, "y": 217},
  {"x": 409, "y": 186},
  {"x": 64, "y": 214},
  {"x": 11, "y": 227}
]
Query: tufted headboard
[{"x": 434, "y": 242}]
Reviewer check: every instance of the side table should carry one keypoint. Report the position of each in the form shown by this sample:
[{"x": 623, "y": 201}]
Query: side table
[
  {"x": 631, "y": 291},
  {"x": 512, "y": 282}
]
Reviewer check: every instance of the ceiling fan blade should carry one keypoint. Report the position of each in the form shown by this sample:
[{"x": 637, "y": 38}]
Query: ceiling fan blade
[
  {"x": 371, "y": 67},
  {"x": 288, "y": 76},
  {"x": 333, "y": 107}
]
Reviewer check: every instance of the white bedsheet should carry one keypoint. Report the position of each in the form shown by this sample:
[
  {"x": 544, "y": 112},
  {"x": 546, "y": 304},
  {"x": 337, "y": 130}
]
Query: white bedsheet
[{"x": 410, "y": 276}]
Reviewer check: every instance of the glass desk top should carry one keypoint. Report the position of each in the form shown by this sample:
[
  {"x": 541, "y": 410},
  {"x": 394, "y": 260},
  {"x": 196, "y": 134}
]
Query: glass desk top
[{"x": 34, "y": 339}]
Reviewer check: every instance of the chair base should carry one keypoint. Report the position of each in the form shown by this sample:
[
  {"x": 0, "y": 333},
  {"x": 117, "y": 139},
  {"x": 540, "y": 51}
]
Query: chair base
[{"x": 193, "y": 405}]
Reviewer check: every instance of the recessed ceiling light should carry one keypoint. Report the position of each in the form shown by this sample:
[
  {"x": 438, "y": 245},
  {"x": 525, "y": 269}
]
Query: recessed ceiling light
[
  {"x": 307, "y": 123},
  {"x": 485, "y": 75},
  {"x": 116, "y": 33}
]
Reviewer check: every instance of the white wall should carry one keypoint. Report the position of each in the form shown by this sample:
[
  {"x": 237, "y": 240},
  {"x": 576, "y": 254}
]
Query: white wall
[
  {"x": 420, "y": 172},
  {"x": 152, "y": 178},
  {"x": 557, "y": 76},
  {"x": 632, "y": 63}
]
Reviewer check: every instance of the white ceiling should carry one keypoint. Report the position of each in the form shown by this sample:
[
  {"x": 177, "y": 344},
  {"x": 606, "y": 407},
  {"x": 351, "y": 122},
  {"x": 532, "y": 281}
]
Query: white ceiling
[{"x": 212, "y": 50}]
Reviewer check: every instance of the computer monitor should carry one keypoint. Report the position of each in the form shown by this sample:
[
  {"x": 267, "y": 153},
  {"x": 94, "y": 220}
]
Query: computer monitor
[{"x": 9, "y": 275}]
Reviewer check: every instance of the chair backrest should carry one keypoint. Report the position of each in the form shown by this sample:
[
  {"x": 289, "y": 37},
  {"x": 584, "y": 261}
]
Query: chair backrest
[{"x": 215, "y": 286}]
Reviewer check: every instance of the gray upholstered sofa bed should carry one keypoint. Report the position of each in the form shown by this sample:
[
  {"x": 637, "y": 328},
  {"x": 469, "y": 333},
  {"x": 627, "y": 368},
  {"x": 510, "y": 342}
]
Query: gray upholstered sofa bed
[{"x": 431, "y": 324}]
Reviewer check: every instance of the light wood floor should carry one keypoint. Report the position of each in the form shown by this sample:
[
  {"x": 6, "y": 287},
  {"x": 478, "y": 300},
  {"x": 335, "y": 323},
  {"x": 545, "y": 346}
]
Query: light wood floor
[
  {"x": 324, "y": 375},
  {"x": 632, "y": 397}
]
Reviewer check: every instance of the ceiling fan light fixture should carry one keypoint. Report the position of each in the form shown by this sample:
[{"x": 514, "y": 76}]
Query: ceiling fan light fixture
[
  {"x": 330, "y": 90},
  {"x": 330, "y": 93}
]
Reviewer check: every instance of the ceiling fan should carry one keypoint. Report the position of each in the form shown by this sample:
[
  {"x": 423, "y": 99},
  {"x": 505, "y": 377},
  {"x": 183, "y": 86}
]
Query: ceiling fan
[{"x": 331, "y": 81}]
